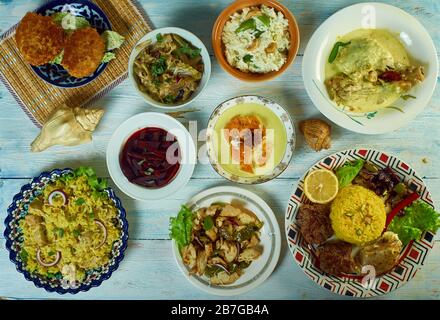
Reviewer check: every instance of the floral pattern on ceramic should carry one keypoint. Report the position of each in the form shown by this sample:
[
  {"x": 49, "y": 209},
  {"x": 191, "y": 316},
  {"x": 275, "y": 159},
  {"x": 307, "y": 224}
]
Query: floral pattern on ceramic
[
  {"x": 14, "y": 237},
  {"x": 279, "y": 111},
  {"x": 56, "y": 74}
]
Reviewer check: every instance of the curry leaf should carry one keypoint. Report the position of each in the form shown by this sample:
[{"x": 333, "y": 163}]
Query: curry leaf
[
  {"x": 208, "y": 223},
  {"x": 248, "y": 24},
  {"x": 248, "y": 58}
]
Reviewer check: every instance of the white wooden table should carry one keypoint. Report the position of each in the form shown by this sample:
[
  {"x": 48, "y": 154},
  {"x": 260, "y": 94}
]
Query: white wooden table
[{"x": 148, "y": 270}]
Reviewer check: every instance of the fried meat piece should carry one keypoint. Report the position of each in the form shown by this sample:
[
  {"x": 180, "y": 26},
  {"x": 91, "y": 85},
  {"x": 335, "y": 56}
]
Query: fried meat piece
[
  {"x": 335, "y": 258},
  {"x": 39, "y": 38},
  {"x": 83, "y": 52},
  {"x": 315, "y": 224}
]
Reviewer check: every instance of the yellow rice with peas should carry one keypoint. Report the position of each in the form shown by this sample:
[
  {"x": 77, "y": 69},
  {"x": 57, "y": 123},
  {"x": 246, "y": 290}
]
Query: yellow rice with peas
[
  {"x": 357, "y": 215},
  {"x": 71, "y": 232}
]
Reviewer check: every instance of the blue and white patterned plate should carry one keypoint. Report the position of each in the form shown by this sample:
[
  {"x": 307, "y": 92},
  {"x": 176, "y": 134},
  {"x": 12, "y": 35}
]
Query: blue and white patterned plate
[
  {"x": 14, "y": 237},
  {"x": 56, "y": 74}
]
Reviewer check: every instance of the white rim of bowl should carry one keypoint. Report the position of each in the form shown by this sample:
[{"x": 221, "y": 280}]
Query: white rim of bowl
[
  {"x": 329, "y": 115},
  {"x": 268, "y": 268},
  {"x": 196, "y": 42},
  {"x": 134, "y": 124}
]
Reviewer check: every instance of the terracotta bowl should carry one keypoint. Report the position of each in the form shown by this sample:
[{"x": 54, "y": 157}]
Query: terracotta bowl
[{"x": 218, "y": 46}]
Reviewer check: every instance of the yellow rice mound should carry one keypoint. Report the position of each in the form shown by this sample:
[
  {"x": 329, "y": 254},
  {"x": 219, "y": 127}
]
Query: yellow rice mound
[
  {"x": 69, "y": 229},
  {"x": 357, "y": 215}
]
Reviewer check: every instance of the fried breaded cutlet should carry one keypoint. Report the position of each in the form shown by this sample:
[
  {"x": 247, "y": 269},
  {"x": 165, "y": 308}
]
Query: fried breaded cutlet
[
  {"x": 83, "y": 52},
  {"x": 39, "y": 39}
]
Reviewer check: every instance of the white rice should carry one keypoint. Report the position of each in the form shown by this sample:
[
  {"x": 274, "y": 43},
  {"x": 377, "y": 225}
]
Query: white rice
[{"x": 237, "y": 44}]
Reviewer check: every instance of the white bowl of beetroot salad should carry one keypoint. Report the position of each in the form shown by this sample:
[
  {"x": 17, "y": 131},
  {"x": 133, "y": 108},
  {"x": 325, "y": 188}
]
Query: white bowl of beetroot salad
[{"x": 151, "y": 156}]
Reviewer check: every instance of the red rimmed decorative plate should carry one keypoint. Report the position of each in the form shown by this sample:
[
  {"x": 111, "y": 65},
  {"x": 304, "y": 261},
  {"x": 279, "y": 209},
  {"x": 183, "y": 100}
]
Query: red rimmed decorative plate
[{"x": 412, "y": 256}]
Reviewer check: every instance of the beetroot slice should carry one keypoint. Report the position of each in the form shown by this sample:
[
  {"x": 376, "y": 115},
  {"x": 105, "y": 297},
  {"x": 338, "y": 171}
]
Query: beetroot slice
[{"x": 143, "y": 158}]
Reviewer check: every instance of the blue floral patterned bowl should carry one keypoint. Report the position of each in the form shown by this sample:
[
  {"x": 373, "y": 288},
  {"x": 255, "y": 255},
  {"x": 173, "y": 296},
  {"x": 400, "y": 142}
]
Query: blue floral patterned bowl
[
  {"x": 14, "y": 238},
  {"x": 56, "y": 74}
]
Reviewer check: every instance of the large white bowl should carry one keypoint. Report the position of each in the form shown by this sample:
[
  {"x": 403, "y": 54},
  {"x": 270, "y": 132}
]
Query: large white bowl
[
  {"x": 157, "y": 120},
  {"x": 416, "y": 41},
  {"x": 185, "y": 35},
  {"x": 270, "y": 237}
]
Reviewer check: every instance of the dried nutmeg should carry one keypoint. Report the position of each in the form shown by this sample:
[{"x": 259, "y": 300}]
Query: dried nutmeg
[{"x": 317, "y": 133}]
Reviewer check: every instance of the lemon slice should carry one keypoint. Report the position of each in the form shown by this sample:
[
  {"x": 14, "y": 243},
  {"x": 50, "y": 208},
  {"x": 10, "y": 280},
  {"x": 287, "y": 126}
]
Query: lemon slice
[{"x": 321, "y": 186}]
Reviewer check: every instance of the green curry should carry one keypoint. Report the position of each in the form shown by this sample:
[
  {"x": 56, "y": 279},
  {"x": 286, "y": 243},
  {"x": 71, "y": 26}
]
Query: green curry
[{"x": 369, "y": 69}]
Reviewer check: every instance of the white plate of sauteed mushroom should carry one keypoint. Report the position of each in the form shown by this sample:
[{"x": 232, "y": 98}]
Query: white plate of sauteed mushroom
[{"x": 226, "y": 240}]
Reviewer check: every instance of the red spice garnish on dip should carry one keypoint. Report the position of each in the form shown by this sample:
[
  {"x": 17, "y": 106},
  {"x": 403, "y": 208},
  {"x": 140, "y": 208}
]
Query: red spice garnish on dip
[{"x": 144, "y": 158}]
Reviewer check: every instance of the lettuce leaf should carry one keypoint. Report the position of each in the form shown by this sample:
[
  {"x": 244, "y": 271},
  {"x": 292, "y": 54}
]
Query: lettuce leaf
[
  {"x": 58, "y": 59},
  {"x": 348, "y": 172},
  {"x": 418, "y": 218},
  {"x": 96, "y": 184},
  {"x": 69, "y": 21},
  {"x": 108, "y": 56},
  {"x": 181, "y": 227},
  {"x": 112, "y": 39}
]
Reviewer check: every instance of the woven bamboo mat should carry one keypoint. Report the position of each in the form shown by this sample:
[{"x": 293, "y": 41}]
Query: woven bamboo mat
[{"x": 39, "y": 99}]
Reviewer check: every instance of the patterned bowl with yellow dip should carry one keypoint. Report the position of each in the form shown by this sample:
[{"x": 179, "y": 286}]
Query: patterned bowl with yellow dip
[{"x": 250, "y": 139}]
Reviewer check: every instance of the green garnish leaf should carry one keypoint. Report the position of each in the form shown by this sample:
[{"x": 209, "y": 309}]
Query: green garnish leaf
[
  {"x": 50, "y": 275},
  {"x": 348, "y": 172},
  {"x": 80, "y": 201},
  {"x": 159, "y": 67},
  {"x": 23, "y": 255},
  {"x": 190, "y": 52},
  {"x": 248, "y": 58},
  {"x": 258, "y": 33},
  {"x": 69, "y": 21},
  {"x": 418, "y": 218},
  {"x": 76, "y": 233},
  {"x": 159, "y": 37},
  {"x": 407, "y": 96},
  {"x": 51, "y": 253},
  {"x": 112, "y": 39},
  {"x": 68, "y": 177},
  {"x": 97, "y": 184},
  {"x": 208, "y": 223},
  {"x": 335, "y": 50},
  {"x": 57, "y": 17},
  {"x": 265, "y": 19},
  {"x": 84, "y": 171},
  {"x": 108, "y": 56},
  {"x": 60, "y": 232},
  {"x": 248, "y": 24},
  {"x": 181, "y": 227},
  {"x": 169, "y": 99},
  {"x": 58, "y": 59},
  {"x": 91, "y": 215}
]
